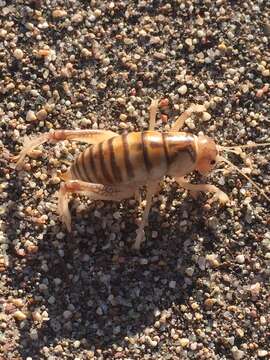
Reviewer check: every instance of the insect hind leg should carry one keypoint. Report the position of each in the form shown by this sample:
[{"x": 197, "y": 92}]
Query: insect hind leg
[
  {"x": 92, "y": 191},
  {"x": 87, "y": 136}
]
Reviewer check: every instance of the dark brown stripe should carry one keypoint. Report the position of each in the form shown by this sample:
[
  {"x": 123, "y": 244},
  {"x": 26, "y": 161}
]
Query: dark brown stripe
[
  {"x": 73, "y": 175},
  {"x": 164, "y": 142},
  {"x": 115, "y": 169},
  {"x": 93, "y": 165},
  {"x": 81, "y": 168},
  {"x": 77, "y": 169},
  {"x": 146, "y": 157},
  {"x": 129, "y": 167},
  {"x": 104, "y": 170},
  {"x": 191, "y": 153},
  {"x": 85, "y": 167}
]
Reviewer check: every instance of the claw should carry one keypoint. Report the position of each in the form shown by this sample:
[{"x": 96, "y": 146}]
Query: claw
[
  {"x": 221, "y": 197},
  {"x": 63, "y": 209}
]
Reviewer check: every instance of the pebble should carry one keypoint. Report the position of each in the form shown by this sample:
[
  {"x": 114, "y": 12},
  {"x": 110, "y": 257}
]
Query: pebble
[
  {"x": 18, "y": 54},
  {"x": 200, "y": 33},
  {"x": 19, "y": 303},
  {"x": 209, "y": 303},
  {"x": 240, "y": 259},
  {"x": 123, "y": 117},
  {"x": 99, "y": 311},
  {"x": 59, "y": 13},
  {"x": 206, "y": 116},
  {"x": 189, "y": 42},
  {"x": 19, "y": 315},
  {"x": 67, "y": 314},
  {"x": 37, "y": 316},
  {"x": 262, "y": 353},
  {"x": 237, "y": 354},
  {"x": 77, "y": 18},
  {"x": 183, "y": 342},
  {"x": 182, "y": 90},
  {"x": 42, "y": 115},
  {"x": 77, "y": 344},
  {"x": 189, "y": 271},
  {"x": 30, "y": 116},
  {"x": 159, "y": 55}
]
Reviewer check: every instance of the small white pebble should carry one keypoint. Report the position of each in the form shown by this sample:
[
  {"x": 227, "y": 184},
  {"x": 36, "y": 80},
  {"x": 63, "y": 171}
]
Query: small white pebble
[
  {"x": 200, "y": 33},
  {"x": 30, "y": 116},
  {"x": 266, "y": 72},
  {"x": 182, "y": 90},
  {"x": 188, "y": 42},
  {"x": 206, "y": 116},
  {"x": 99, "y": 311},
  {"x": 76, "y": 344},
  {"x": 240, "y": 259},
  {"x": 18, "y": 53},
  {"x": 202, "y": 87},
  {"x": 262, "y": 353}
]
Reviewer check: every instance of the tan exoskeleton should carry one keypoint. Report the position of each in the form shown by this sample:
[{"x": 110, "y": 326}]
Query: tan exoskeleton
[{"x": 114, "y": 167}]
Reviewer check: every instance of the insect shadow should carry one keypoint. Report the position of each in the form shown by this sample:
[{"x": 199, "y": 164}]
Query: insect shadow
[{"x": 104, "y": 296}]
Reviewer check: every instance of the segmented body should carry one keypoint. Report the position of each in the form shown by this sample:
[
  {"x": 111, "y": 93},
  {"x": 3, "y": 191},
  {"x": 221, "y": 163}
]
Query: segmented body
[{"x": 136, "y": 157}]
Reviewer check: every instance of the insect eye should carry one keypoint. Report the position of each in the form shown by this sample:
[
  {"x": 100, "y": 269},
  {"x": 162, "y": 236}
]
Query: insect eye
[{"x": 212, "y": 162}]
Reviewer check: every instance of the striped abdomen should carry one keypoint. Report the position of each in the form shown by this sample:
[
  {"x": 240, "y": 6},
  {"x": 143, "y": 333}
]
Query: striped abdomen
[{"x": 136, "y": 157}]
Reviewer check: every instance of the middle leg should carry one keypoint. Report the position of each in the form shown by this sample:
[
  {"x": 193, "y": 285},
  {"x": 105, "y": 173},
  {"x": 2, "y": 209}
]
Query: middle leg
[
  {"x": 153, "y": 113},
  {"x": 179, "y": 123}
]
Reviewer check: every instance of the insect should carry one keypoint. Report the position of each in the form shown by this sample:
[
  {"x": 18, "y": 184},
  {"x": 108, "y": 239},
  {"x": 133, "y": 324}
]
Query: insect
[{"x": 114, "y": 167}]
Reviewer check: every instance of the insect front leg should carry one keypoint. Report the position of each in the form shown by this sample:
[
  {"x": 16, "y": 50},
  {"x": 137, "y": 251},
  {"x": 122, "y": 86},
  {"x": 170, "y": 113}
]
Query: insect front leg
[
  {"x": 180, "y": 121},
  {"x": 150, "y": 191},
  {"x": 153, "y": 114},
  {"x": 88, "y": 136},
  {"x": 92, "y": 191},
  {"x": 218, "y": 194}
]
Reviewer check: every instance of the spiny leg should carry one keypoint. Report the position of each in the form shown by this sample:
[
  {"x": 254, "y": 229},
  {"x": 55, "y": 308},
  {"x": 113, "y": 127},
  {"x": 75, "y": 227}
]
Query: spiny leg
[
  {"x": 153, "y": 113},
  {"x": 150, "y": 191},
  {"x": 88, "y": 136},
  {"x": 92, "y": 191},
  {"x": 218, "y": 194},
  {"x": 180, "y": 121}
]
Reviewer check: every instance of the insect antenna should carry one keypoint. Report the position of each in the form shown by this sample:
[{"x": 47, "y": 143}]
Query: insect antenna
[
  {"x": 235, "y": 147},
  {"x": 221, "y": 158}
]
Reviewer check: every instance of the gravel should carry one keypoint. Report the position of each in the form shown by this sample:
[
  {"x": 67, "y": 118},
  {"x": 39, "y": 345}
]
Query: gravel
[{"x": 199, "y": 287}]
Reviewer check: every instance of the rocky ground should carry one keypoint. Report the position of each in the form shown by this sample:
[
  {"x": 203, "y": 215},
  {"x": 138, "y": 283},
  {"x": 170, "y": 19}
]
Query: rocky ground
[{"x": 199, "y": 288}]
